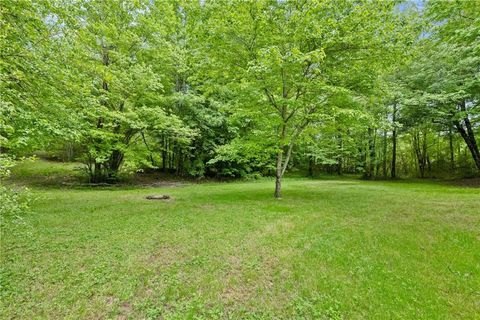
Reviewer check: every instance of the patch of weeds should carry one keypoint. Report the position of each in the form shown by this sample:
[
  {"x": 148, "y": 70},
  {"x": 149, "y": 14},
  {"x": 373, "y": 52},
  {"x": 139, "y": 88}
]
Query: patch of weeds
[
  {"x": 189, "y": 308},
  {"x": 316, "y": 307}
]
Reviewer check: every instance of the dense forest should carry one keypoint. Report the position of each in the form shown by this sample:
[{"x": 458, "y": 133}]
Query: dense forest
[{"x": 384, "y": 89}]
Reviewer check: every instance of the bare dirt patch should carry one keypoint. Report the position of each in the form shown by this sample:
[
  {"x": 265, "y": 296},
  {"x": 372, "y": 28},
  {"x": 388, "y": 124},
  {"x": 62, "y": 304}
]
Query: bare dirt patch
[
  {"x": 158, "y": 197},
  {"x": 125, "y": 310},
  {"x": 165, "y": 256}
]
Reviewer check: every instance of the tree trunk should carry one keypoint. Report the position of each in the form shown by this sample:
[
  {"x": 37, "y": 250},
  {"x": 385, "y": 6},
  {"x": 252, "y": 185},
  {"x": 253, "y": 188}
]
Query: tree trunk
[
  {"x": 172, "y": 159},
  {"x": 450, "y": 144},
  {"x": 310, "y": 166},
  {"x": 429, "y": 166},
  {"x": 278, "y": 175},
  {"x": 164, "y": 154},
  {"x": 179, "y": 162},
  {"x": 150, "y": 155},
  {"x": 97, "y": 173},
  {"x": 340, "y": 158},
  {"x": 369, "y": 159},
  {"x": 284, "y": 147},
  {"x": 384, "y": 160},
  {"x": 340, "y": 166},
  {"x": 114, "y": 163},
  {"x": 278, "y": 187},
  {"x": 471, "y": 143},
  {"x": 420, "y": 148},
  {"x": 371, "y": 147},
  {"x": 468, "y": 136},
  {"x": 393, "y": 172}
]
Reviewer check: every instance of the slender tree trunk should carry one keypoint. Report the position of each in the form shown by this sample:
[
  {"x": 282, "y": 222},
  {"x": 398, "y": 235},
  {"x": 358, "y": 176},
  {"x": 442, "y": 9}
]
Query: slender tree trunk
[
  {"x": 340, "y": 166},
  {"x": 384, "y": 160},
  {"x": 278, "y": 175},
  {"x": 167, "y": 148},
  {"x": 452, "y": 153},
  {"x": 278, "y": 187},
  {"x": 362, "y": 151},
  {"x": 393, "y": 173},
  {"x": 340, "y": 158},
  {"x": 150, "y": 156},
  {"x": 429, "y": 165},
  {"x": 164, "y": 154},
  {"x": 369, "y": 159},
  {"x": 279, "y": 170},
  {"x": 310, "y": 166},
  {"x": 96, "y": 175},
  {"x": 172, "y": 159},
  {"x": 179, "y": 162},
  {"x": 420, "y": 148},
  {"x": 426, "y": 158},
  {"x": 372, "y": 145}
]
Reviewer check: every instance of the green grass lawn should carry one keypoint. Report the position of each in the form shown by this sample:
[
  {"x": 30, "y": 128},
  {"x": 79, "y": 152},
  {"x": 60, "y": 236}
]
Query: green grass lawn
[{"x": 333, "y": 249}]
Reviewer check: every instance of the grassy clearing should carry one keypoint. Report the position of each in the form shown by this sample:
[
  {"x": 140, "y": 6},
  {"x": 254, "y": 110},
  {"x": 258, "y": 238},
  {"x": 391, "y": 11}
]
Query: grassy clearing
[
  {"x": 330, "y": 249},
  {"x": 43, "y": 173}
]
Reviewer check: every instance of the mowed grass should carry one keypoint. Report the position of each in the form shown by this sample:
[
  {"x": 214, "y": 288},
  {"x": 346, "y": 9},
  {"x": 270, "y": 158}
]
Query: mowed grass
[{"x": 330, "y": 249}]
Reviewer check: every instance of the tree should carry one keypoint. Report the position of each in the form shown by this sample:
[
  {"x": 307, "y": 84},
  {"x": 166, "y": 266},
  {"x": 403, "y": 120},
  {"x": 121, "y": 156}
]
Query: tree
[
  {"x": 447, "y": 63},
  {"x": 297, "y": 59},
  {"x": 30, "y": 112},
  {"x": 222, "y": 88},
  {"x": 117, "y": 57}
]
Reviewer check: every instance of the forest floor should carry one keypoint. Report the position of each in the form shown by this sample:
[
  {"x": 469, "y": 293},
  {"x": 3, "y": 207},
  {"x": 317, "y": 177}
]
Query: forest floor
[{"x": 329, "y": 249}]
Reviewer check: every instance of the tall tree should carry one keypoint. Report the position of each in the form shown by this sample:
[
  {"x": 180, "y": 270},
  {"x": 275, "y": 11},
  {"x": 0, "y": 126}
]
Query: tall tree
[
  {"x": 448, "y": 63},
  {"x": 297, "y": 59},
  {"x": 113, "y": 55}
]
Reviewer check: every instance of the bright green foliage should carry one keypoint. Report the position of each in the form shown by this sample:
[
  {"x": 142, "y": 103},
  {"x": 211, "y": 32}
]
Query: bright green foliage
[
  {"x": 442, "y": 82},
  {"x": 30, "y": 106},
  {"x": 137, "y": 91},
  {"x": 292, "y": 63},
  {"x": 112, "y": 51},
  {"x": 14, "y": 205},
  {"x": 239, "y": 88}
]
